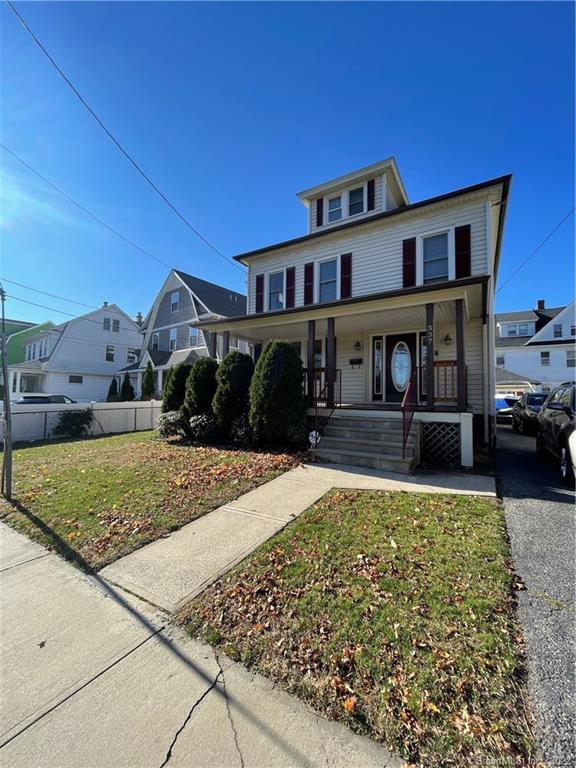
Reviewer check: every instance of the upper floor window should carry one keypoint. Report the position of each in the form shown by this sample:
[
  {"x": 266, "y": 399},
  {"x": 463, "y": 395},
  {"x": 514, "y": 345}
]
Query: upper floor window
[
  {"x": 544, "y": 358},
  {"x": 194, "y": 337},
  {"x": 335, "y": 208},
  {"x": 175, "y": 301},
  {"x": 116, "y": 325},
  {"x": 571, "y": 358},
  {"x": 435, "y": 257},
  {"x": 173, "y": 338},
  {"x": 74, "y": 379},
  {"x": 155, "y": 341},
  {"x": 110, "y": 349},
  {"x": 327, "y": 280},
  {"x": 500, "y": 361},
  {"x": 276, "y": 291},
  {"x": 106, "y": 323},
  {"x": 557, "y": 330},
  {"x": 517, "y": 329},
  {"x": 131, "y": 356},
  {"x": 356, "y": 201},
  {"x": 523, "y": 329},
  {"x": 573, "y": 330}
]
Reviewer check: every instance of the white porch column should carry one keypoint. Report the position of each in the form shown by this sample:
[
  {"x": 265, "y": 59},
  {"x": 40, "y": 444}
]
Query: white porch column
[
  {"x": 160, "y": 381},
  {"x": 466, "y": 440},
  {"x": 139, "y": 384},
  {"x": 18, "y": 374}
]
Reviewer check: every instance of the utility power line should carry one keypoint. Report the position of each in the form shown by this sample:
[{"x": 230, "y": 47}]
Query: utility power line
[
  {"x": 45, "y": 293},
  {"x": 535, "y": 251},
  {"x": 63, "y": 312},
  {"x": 117, "y": 142}
]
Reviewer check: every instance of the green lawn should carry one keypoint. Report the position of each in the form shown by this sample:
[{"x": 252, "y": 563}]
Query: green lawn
[
  {"x": 95, "y": 500},
  {"x": 393, "y": 612}
]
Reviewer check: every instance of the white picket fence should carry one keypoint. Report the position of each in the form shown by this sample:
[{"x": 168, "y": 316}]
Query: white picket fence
[{"x": 37, "y": 421}]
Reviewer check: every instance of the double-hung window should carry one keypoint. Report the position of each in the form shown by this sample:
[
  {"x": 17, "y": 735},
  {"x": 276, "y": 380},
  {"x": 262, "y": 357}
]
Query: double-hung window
[
  {"x": 175, "y": 301},
  {"x": 106, "y": 323},
  {"x": 356, "y": 201},
  {"x": 327, "y": 280},
  {"x": 500, "y": 361},
  {"x": 110, "y": 353},
  {"x": 116, "y": 326},
  {"x": 435, "y": 258},
  {"x": 131, "y": 356},
  {"x": 571, "y": 358},
  {"x": 155, "y": 340},
  {"x": 335, "y": 208},
  {"x": 557, "y": 330},
  {"x": 275, "y": 291},
  {"x": 172, "y": 342},
  {"x": 193, "y": 338},
  {"x": 544, "y": 358},
  {"x": 233, "y": 342},
  {"x": 523, "y": 329}
]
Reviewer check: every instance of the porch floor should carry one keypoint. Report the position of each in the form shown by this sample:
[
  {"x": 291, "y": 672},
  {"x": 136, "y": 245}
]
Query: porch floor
[{"x": 438, "y": 407}]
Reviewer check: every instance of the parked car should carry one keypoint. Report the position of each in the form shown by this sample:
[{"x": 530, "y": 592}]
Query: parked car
[
  {"x": 33, "y": 399},
  {"x": 504, "y": 405},
  {"x": 556, "y": 434},
  {"x": 525, "y": 411}
]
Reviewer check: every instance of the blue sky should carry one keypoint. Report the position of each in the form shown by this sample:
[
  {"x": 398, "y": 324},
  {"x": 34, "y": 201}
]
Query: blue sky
[{"x": 232, "y": 108}]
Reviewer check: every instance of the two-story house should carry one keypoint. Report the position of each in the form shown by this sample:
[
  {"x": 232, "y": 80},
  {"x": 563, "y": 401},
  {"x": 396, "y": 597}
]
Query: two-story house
[
  {"x": 170, "y": 332},
  {"x": 391, "y": 306},
  {"x": 537, "y": 346},
  {"x": 79, "y": 357}
]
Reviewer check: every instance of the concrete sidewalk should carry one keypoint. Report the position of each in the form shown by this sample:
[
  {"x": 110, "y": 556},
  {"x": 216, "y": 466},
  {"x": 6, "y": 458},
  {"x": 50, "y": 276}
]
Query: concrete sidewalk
[
  {"x": 92, "y": 677},
  {"x": 171, "y": 571}
]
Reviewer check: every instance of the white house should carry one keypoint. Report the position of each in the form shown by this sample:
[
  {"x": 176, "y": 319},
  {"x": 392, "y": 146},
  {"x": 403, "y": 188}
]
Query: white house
[
  {"x": 391, "y": 306},
  {"x": 79, "y": 357},
  {"x": 539, "y": 344},
  {"x": 170, "y": 333}
]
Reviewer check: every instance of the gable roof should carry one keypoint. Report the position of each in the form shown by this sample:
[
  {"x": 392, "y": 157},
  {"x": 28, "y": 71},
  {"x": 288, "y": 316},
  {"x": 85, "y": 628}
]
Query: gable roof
[
  {"x": 503, "y": 376},
  {"x": 219, "y": 300},
  {"x": 541, "y": 317}
]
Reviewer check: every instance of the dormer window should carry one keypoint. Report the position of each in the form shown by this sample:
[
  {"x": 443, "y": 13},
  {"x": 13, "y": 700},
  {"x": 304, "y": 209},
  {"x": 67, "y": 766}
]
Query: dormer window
[
  {"x": 356, "y": 201},
  {"x": 335, "y": 208},
  {"x": 175, "y": 301}
]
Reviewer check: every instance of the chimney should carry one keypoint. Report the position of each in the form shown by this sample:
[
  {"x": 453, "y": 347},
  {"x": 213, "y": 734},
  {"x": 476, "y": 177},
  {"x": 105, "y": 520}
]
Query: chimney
[
  {"x": 540, "y": 304},
  {"x": 105, "y": 304},
  {"x": 139, "y": 318}
]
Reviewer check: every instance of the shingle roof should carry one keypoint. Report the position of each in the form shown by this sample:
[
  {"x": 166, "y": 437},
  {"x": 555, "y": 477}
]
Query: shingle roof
[
  {"x": 504, "y": 376},
  {"x": 219, "y": 300},
  {"x": 161, "y": 358},
  {"x": 541, "y": 317}
]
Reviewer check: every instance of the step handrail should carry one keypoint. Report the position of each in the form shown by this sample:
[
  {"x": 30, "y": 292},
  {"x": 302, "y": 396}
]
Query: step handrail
[{"x": 409, "y": 403}]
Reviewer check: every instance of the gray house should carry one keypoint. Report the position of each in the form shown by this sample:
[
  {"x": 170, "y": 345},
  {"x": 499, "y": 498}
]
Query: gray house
[{"x": 170, "y": 335}]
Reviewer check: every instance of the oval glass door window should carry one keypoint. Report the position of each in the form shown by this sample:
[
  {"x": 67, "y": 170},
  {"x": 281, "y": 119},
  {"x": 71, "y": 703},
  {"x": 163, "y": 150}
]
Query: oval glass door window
[{"x": 401, "y": 365}]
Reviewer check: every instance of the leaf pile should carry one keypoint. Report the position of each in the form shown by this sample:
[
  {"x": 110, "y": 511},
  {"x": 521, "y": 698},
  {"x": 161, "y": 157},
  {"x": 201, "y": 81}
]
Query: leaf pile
[
  {"x": 106, "y": 497},
  {"x": 392, "y": 612}
]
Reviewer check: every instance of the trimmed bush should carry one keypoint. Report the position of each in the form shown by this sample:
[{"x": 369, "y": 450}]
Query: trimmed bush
[
  {"x": 170, "y": 424},
  {"x": 241, "y": 431},
  {"x": 233, "y": 388},
  {"x": 112, "y": 396},
  {"x": 148, "y": 382},
  {"x": 200, "y": 388},
  {"x": 127, "y": 390},
  {"x": 74, "y": 423},
  {"x": 175, "y": 388},
  {"x": 277, "y": 403},
  {"x": 203, "y": 428}
]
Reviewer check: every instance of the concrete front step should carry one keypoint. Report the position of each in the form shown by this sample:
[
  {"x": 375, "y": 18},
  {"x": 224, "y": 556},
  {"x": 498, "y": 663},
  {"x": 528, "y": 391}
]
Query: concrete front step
[
  {"x": 366, "y": 459},
  {"x": 364, "y": 443},
  {"x": 368, "y": 423},
  {"x": 373, "y": 435}
]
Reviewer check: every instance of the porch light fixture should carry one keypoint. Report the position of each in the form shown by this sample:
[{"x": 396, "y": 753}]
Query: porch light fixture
[
  {"x": 447, "y": 339},
  {"x": 357, "y": 346}
]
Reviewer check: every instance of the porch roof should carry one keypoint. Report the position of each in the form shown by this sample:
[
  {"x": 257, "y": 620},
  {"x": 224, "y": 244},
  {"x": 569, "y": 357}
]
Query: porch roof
[{"x": 374, "y": 312}]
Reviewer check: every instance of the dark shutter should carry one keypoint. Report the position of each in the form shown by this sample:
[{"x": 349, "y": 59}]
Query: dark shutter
[
  {"x": 409, "y": 262},
  {"x": 319, "y": 211},
  {"x": 371, "y": 195},
  {"x": 290, "y": 286},
  {"x": 309, "y": 283},
  {"x": 346, "y": 276},
  {"x": 462, "y": 243},
  {"x": 259, "y": 293}
]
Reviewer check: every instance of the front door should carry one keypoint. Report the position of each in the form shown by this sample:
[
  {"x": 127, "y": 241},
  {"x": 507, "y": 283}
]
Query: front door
[{"x": 400, "y": 362}]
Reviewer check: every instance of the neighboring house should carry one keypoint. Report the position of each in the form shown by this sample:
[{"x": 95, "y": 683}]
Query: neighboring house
[
  {"x": 510, "y": 383},
  {"x": 170, "y": 335},
  {"x": 14, "y": 326},
  {"x": 79, "y": 357},
  {"x": 376, "y": 289},
  {"x": 17, "y": 341},
  {"x": 538, "y": 343}
]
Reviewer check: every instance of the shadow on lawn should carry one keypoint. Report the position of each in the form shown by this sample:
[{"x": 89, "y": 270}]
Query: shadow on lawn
[{"x": 70, "y": 554}]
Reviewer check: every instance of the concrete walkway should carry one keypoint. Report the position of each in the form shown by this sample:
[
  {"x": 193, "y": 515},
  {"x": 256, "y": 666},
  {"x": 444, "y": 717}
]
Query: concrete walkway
[
  {"x": 92, "y": 677},
  {"x": 169, "y": 572}
]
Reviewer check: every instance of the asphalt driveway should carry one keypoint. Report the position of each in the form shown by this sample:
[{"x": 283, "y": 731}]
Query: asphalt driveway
[{"x": 540, "y": 515}]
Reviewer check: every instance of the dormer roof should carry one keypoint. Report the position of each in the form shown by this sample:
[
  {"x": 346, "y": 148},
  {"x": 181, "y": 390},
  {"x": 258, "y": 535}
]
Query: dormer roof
[{"x": 388, "y": 166}]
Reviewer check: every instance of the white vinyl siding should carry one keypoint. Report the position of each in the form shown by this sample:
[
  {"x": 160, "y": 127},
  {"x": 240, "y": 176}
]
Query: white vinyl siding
[{"x": 377, "y": 248}]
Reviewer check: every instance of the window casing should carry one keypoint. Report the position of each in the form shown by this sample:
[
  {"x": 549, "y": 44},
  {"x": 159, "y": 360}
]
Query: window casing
[
  {"x": 106, "y": 323},
  {"x": 116, "y": 325},
  {"x": 131, "y": 356},
  {"x": 523, "y": 329},
  {"x": 193, "y": 337},
  {"x": 155, "y": 341},
  {"x": 173, "y": 339},
  {"x": 75, "y": 379},
  {"x": 328, "y": 281},
  {"x": 544, "y": 358},
  {"x": 175, "y": 301},
  {"x": 110, "y": 349},
  {"x": 345, "y": 204},
  {"x": 334, "y": 208},
  {"x": 571, "y": 358},
  {"x": 275, "y": 291},
  {"x": 500, "y": 361},
  {"x": 435, "y": 258},
  {"x": 557, "y": 330}
]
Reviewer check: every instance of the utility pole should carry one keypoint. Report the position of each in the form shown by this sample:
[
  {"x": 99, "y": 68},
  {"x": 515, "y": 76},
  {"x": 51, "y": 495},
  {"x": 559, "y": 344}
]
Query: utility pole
[{"x": 6, "y": 415}]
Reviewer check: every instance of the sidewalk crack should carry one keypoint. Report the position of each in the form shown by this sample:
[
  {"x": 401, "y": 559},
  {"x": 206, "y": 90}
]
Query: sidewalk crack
[
  {"x": 234, "y": 732},
  {"x": 189, "y": 715}
]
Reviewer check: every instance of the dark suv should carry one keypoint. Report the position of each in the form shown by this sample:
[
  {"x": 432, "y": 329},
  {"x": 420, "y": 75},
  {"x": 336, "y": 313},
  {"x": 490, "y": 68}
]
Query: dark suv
[
  {"x": 556, "y": 433},
  {"x": 525, "y": 411}
]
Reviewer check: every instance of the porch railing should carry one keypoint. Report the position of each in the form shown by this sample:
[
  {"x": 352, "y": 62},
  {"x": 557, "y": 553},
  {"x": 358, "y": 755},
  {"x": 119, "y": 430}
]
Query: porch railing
[
  {"x": 319, "y": 398},
  {"x": 409, "y": 403}
]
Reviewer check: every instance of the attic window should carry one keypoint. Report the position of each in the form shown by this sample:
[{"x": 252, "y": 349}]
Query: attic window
[
  {"x": 106, "y": 324},
  {"x": 335, "y": 208},
  {"x": 356, "y": 201},
  {"x": 175, "y": 301},
  {"x": 116, "y": 326},
  {"x": 557, "y": 330}
]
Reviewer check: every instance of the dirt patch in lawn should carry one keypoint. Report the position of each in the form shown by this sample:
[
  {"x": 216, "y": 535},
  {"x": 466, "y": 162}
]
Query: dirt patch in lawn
[
  {"x": 393, "y": 612},
  {"x": 102, "y": 498}
]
